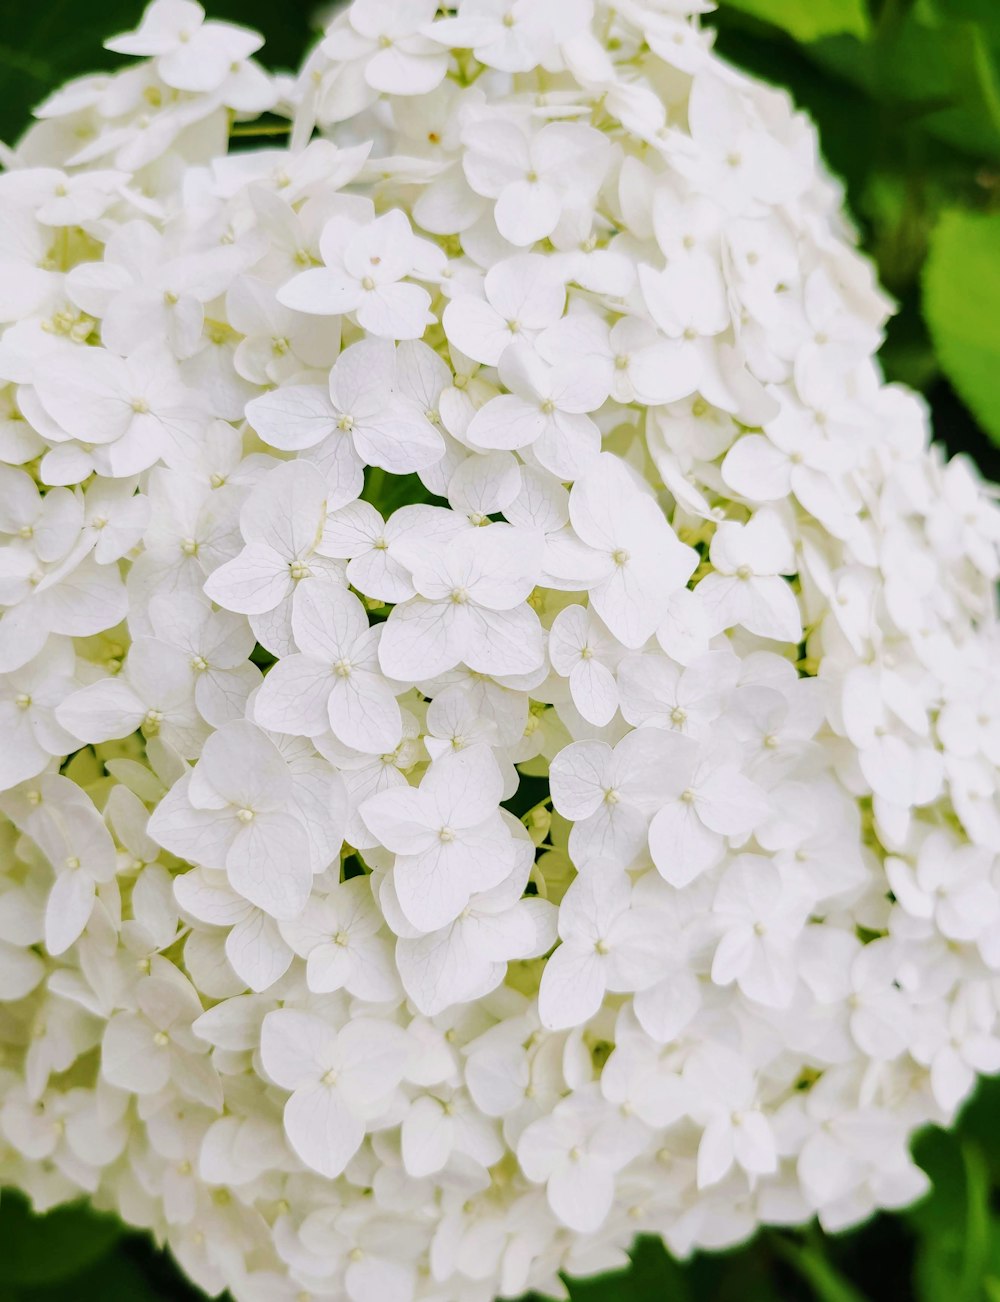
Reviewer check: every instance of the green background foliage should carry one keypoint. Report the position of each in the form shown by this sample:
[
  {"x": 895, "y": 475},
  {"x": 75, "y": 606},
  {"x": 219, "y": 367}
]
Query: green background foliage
[{"x": 906, "y": 94}]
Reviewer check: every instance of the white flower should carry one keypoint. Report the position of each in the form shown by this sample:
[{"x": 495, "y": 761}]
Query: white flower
[
  {"x": 953, "y": 884},
  {"x": 448, "y": 837},
  {"x": 339, "y": 1080},
  {"x": 75, "y": 601},
  {"x": 141, "y": 1051},
  {"x": 468, "y": 958},
  {"x": 365, "y": 271},
  {"x": 442, "y": 1124},
  {"x": 512, "y": 35},
  {"x": 282, "y": 523},
  {"x": 217, "y": 644},
  {"x": 254, "y": 946},
  {"x": 722, "y": 1097},
  {"x": 581, "y": 650},
  {"x": 957, "y": 1042},
  {"x": 365, "y": 419},
  {"x": 706, "y": 801},
  {"x": 470, "y": 608},
  {"x": 577, "y": 1150},
  {"x": 232, "y": 812},
  {"x": 115, "y": 519},
  {"x": 510, "y": 438},
  {"x": 155, "y": 692},
  {"x": 533, "y": 177},
  {"x": 341, "y": 937},
  {"x": 148, "y": 291},
  {"x": 631, "y": 559},
  {"x": 127, "y": 412},
  {"x": 745, "y": 586},
  {"x": 687, "y": 301},
  {"x": 768, "y": 469},
  {"x": 393, "y": 42},
  {"x": 761, "y": 916},
  {"x": 736, "y": 160},
  {"x": 28, "y": 700},
  {"x": 523, "y": 295},
  {"x": 377, "y": 548},
  {"x": 51, "y": 524},
  {"x": 655, "y": 690},
  {"x": 334, "y": 682},
  {"x": 545, "y": 409},
  {"x": 610, "y": 793},
  {"x": 606, "y": 945},
  {"x": 278, "y": 342},
  {"x": 71, "y": 834},
  {"x": 191, "y": 54}
]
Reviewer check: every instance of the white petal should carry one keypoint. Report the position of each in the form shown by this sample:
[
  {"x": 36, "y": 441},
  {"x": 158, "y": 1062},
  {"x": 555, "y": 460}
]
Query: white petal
[
  {"x": 103, "y": 710},
  {"x": 426, "y": 1134},
  {"x": 295, "y": 1047},
  {"x": 268, "y": 864},
  {"x": 68, "y": 910},
  {"x": 293, "y": 417},
  {"x": 252, "y": 583},
  {"x": 322, "y": 1129},
  {"x": 572, "y": 988},
  {"x": 131, "y": 1058},
  {"x": 581, "y": 1198}
]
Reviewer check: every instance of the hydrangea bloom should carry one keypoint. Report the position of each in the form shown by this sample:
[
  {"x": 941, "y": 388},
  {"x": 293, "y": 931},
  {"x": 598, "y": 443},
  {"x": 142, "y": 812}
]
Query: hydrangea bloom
[{"x": 500, "y": 748}]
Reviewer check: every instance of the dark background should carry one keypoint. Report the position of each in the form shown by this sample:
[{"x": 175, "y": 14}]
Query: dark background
[{"x": 906, "y": 94}]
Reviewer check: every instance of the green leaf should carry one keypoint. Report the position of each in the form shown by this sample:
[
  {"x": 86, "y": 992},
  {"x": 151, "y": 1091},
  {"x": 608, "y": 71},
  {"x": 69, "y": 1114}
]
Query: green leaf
[
  {"x": 979, "y": 1123},
  {"x": 958, "y": 1250},
  {"x": 951, "y": 61},
  {"x": 977, "y": 1223},
  {"x": 827, "y": 1282},
  {"x": 44, "y": 1249},
  {"x": 961, "y": 290},
  {"x": 810, "y": 20},
  {"x": 932, "y": 68},
  {"x": 387, "y": 492},
  {"x": 42, "y": 45},
  {"x": 112, "y": 1279}
]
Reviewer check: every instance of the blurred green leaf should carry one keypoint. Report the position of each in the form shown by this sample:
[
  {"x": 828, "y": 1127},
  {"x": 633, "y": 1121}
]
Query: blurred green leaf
[
  {"x": 811, "y": 1263},
  {"x": 44, "y": 1249},
  {"x": 387, "y": 492},
  {"x": 933, "y": 69},
  {"x": 809, "y": 20},
  {"x": 961, "y": 287},
  {"x": 42, "y": 45},
  {"x": 957, "y": 1250},
  {"x": 112, "y": 1279},
  {"x": 952, "y": 61},
  {"x": 979, "y": 1123},
  {"x": 977, "y": 1223}
]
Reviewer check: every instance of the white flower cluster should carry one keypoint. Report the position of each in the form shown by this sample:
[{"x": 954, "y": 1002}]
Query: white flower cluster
[{"x": 500, "y": 702}]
